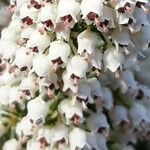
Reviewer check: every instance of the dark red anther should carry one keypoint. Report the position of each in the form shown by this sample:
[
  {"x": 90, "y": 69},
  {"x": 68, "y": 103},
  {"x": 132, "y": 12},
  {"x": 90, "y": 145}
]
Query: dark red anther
[
  {"x": 27, "y": 20},
  {"x": 57, "y": 60},
  {"x": 68, "y": 17},
  {"x": 48, "y": 23},
  {"x": 139, "y": 4},
  {"x": 91, "y": 16}
]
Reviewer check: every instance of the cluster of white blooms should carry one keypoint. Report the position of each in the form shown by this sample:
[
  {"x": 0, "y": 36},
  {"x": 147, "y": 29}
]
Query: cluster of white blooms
[{"x": 74, "y": 74}]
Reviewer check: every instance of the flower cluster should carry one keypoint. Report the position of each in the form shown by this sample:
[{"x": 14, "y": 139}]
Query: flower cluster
[{"x": 71, "y": 74}]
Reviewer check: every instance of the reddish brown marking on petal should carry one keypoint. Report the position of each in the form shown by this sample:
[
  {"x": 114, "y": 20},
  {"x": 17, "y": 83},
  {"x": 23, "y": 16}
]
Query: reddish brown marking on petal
[
  {"x": 91, "y": 16},
  {"x": 27, "y": 20},
  {"x": 68, "y": 17}
]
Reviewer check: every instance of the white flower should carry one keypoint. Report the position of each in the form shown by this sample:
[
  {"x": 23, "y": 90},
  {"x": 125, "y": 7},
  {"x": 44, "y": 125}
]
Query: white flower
[
  {"x": 48, "y": 81},
  {"x": 77, "y": 139},
  {"x": 95, "y": 60},
  {"x": 138, "y": 114},
  {"x": 32, "y": 144},
  {"x": 87, "y": 41},
  {"x": 106, "y": 20},
  {"x": 120, "y": 115},
  {"x": 13, "y": 144},
  {"x": 16, "y": 96},
  {"x": 44, "y": 135},
  {"x": 59, "y": 52},
  {"x": 68, "y": 84},
  {"x": 8, "y": 49},
  {"x": 92, "y": 140},
  {"x": 68, "y": 11},
  {"x": 4, "y": 96},
  {"x": 60, "y": 135},
  {"x": 25, "y": 129},
  {"x": 28, "y": 86},
  {"x": 122, "y": 36},
  {"x": 9, "y": 34},
  {"x": 97, "y": 121},
  {"x": 73, "y": 112},
  {"x": 84, "y": 91},
  {"x": 95, "y": 86},
  {"x": 113, "y": 59},
  {"x": 40, "y": 111},
  {"x": 80, "y": 63},
  {"x": 38, "y": 41},
  {"x": 41, "y": 65},
  {"x": 128, "y": 78},
  {"x": 92, "y": 10},
  {"x": 101, "y": 140},
  {"x": 62, "y": 31},
  {"x": 22, "y": 59},
  {"x": 28, "y": 15},
  {"x": 107, "y": 98},
  {"x": 141, "y": 38},
  {"x": 48, "y": 15},
  {"x": 26, "y": 32}
]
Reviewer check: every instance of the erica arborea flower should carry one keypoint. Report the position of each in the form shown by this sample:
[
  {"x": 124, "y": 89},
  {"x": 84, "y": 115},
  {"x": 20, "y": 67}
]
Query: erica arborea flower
[
  {"x": 48, "y": 15},
  {"x": 72, "y": 112},
  {"x": 76, "y": 74},
  {"x": 68, "y": 12},
  {"x": 91, "y": 11},
  {"x": 59, "y": 52}
]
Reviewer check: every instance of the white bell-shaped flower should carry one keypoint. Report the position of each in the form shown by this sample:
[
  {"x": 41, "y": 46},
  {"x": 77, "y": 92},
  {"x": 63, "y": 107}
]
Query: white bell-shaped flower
[
  {"x": 107, "y": 98},
  {"x": 87, "y": 41},
  {"x": 120, "y": 115},
  {"x": 32, "y": 144},
  {"x": 6, "y": 77},
  {"x": 73, "y": 112},
  {"x": 141, "y": 38},
  {"x": 48, "y": 15},
  {"x": 8, "y": 49},
  {"x": 128, "y": 77},
  {"x": 68, "y": 11},
  {"x": 49, "y": 80},
  {"x": 101, "y": 139},
  {"x": 25, "y": 129},
  {"x": 62, "y": 32},
  {"x": 13, "y": 143},
  {"x": 28, "y": 15},
  {"x": 97, "y": 121},
  {"x": 84, "y": 91},
  {"x": 60, "y": 134},
  {"x": 137, "y": 114},
  {"x": 95, "y": 60},
  {"x": 41, "y": 65},
  {"x": 28, "y": 86},
  {"x": 122, "y": 36},
  {"x": 68, "y": 84},
  {"x": 44, "y": 135},
  {"x": 113, "y": 59},
  {"x": 77, "y": 139},
  {"x": 95, "y": 86},
  {"x": 22, "y": 59},
  {"x": 16, "y": 96},
  {"x": 59, "y": 52},
  {"x": 40, "y": 112},
  {"x": 15, "y": 25},
  {"x": 9, "y": 34},
  {"x": 26, "y": 32},
  {"x": 92, "y": 140},
  {"x": 91, "y": 11},
  {"x": 4, "y": 96},
  {"x": 80, "y": 63},
  {"x": 38, "y": 41}
]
